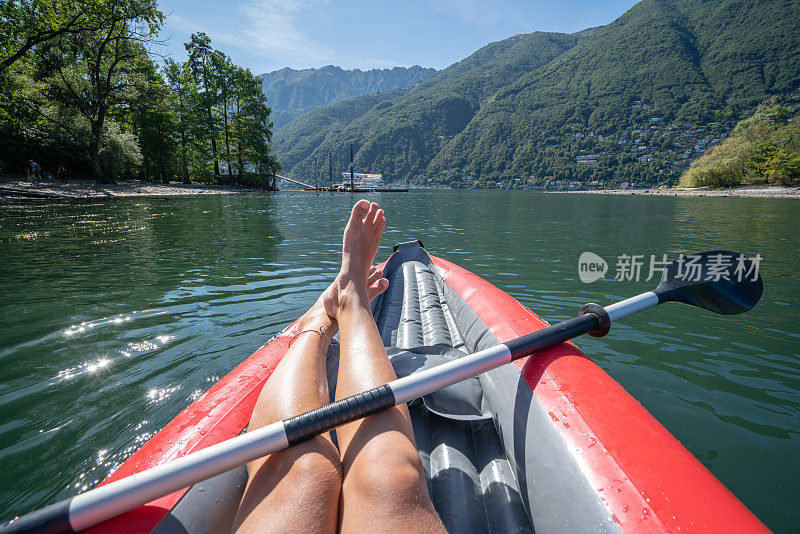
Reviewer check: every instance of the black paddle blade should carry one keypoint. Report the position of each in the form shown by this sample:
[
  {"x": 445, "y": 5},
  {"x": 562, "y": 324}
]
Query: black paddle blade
[{"x": 718, "y": 280}]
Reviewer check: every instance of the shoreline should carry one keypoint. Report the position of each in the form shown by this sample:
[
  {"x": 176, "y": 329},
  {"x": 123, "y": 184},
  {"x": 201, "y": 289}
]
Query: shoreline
[
  {"x": 743, "y": 191},
  {"x": 15, "y": 187}
]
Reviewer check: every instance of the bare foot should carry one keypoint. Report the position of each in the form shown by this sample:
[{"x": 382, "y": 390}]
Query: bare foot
[{"x": 358, "y": 278}]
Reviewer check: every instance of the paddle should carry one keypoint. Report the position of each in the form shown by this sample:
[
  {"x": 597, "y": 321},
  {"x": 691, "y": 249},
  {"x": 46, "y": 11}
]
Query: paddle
[{"x": 719, "y": 281}]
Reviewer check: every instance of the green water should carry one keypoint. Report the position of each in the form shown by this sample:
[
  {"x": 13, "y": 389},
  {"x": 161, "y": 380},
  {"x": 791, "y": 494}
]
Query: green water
[{"x": 115, "y": 315}]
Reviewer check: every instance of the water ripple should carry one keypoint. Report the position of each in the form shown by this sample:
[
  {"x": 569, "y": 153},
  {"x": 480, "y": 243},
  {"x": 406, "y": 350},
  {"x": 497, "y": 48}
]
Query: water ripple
[{"x": 116, "y": 315}]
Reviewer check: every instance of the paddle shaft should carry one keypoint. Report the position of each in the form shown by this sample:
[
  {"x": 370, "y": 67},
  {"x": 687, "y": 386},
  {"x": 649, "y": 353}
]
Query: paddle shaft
[{"x": 107, "y": 501}]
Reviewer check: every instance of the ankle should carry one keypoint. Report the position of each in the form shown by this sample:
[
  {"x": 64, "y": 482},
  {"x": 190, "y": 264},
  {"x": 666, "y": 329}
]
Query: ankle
[
  {"x": 316, "y": 317},
  {"x": 351, "y": 295}
]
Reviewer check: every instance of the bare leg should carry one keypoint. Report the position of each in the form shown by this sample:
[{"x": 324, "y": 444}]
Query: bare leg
[
  {"x": 297, "y": 489},
  {"x": 384, "y": 483}
]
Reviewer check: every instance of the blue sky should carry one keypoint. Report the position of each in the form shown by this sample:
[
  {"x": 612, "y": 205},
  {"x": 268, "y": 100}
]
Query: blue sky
[{"x": 267, "y": 35}]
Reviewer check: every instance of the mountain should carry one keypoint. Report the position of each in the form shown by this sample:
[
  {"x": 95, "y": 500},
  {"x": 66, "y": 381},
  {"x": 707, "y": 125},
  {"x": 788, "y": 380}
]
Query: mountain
[
  {"x": 291, "y": 93},
  {"x": 693, "y": 62},
  {"x": 399, "y": 132},
  {"x": 634, "y": 100}
]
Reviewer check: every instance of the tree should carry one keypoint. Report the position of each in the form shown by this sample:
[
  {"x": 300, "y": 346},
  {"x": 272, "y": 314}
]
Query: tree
[
  {"x": 252, "y": 129},
  {"x": 182, "y": 90},
  {"x": 154, "y": 121},
  {"x": 94, "y": 71},
  {"x": 26, "y": 24},
  {"x": 223, "y": 72},
  {"x": 200, "y": 56},
  {"x": 99, "y": 94}
]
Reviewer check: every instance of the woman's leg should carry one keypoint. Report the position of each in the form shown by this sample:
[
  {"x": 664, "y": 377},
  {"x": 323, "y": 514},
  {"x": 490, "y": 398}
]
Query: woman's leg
[
  {"x": 384, "y": 483},
  {"x": 296, "y": 489}
]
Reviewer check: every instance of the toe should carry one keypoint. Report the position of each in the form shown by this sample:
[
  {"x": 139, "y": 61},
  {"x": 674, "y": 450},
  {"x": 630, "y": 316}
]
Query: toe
[
  {"x": 374, "y": 275},
  {"x": 370, "y": 216},
  {"x": 360, "y": 209},
  {"x": 376, "y": 221},
  {"x": 378, "y": 287}
]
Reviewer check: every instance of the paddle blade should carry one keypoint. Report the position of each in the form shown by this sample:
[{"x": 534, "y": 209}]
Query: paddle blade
[{"x": 717, "y": 280}]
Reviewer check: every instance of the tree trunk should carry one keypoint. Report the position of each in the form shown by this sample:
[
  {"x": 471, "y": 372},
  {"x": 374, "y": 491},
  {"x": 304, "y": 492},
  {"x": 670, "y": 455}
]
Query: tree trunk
[
  {"x": 146, "y": 169},
  {"x": 163, "y": 167},
  {"x": 241, "y": 160},
  {"x": 94, "y": 153},
  {"x": 227, "y": 142},
  {"x": 184, "y": 152},
  {"x": 186, "y": 178},
  {"x": 213, "y": 143}
]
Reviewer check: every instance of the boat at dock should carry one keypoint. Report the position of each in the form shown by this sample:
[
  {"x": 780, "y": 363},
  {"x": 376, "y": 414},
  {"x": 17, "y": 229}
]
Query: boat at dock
[
  {"x": 359, "y": 182},
  {"x": 548, "y": 443}
]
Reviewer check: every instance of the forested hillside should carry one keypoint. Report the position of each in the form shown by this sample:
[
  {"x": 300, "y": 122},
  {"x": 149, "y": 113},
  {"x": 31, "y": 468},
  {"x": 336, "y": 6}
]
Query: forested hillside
[
  {"x": 636, "y": 100},
  {"x": 403, "y": 130},
  {"x": 293, "y": 92}
]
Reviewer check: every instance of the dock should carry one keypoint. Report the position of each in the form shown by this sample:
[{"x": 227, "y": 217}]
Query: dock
[{"x": 342, "y": 188}]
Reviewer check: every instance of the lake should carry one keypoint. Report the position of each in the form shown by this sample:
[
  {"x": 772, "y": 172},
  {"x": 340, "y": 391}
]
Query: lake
[{"x": 115, "y": 315}]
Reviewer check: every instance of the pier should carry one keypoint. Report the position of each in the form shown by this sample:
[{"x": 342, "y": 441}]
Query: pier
[{"x": 343, "y": 187}]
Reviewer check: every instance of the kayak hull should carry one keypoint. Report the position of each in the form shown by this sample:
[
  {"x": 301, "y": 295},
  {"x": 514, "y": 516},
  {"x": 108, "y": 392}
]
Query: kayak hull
[{"x": 551, "y": 443}]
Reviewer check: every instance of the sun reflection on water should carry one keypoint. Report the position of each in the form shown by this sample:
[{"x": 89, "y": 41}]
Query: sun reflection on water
[{"x": 89, "y": 367}]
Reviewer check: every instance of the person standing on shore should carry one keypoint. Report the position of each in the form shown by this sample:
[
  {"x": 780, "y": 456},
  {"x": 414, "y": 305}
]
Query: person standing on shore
[
  {"x": 35, "y": 170},
  {"x": 61, "y": 174}
]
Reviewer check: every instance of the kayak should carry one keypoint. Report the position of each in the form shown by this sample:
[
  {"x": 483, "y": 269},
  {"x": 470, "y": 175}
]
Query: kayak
[{"x": 549, "y": 443}]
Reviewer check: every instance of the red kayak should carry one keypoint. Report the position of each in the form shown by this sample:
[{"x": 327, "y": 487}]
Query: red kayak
[{"x": 550, "y": 443}]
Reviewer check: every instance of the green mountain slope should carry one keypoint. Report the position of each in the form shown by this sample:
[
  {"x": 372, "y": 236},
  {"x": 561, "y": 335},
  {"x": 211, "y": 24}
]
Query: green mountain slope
[
  {"x": 302, "y": 139},
  {"x": 634, "y": 99},
  {"x": 292, "y": 92},
  {"x": 692, "y": 62},
  {"x": 403, "y": 130}
]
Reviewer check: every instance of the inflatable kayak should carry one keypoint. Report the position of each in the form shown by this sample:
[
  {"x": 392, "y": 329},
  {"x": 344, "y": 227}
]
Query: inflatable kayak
[{"x": 550, "y": 443}]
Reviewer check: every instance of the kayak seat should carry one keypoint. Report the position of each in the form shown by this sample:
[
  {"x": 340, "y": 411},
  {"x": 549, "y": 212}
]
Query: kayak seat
[
  {"x": 462, "y": 401},
  {"x": 423, "y": 323}
]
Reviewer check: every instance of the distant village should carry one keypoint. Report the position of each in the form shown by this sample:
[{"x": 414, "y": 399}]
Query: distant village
[{"x": 668, "y": 151}]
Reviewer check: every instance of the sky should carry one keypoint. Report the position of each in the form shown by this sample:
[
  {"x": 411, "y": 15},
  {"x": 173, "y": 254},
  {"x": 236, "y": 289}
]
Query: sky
[{"x": 267, "y": 35}]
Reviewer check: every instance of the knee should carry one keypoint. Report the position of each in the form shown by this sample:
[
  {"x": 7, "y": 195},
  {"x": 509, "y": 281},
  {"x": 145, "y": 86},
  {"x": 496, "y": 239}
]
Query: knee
[
  {"x": 394, "y": 479},
  {"x": 310, "y": 466},
  {"x": 318, "y": 468}
]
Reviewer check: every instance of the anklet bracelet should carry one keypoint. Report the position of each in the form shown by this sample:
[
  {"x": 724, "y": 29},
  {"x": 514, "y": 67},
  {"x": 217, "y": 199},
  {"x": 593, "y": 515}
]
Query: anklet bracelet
[{"x": 321, "y": 332}]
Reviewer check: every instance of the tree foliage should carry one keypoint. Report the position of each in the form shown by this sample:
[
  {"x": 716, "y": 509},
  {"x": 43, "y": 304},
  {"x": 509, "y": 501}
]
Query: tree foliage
[
  {"x": 764, "y": 148},
  {"x": 80, "y": 89}
]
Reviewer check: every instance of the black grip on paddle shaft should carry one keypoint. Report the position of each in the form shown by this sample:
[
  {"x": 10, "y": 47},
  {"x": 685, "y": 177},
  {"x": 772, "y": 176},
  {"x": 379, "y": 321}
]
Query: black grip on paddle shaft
[
  {"x": 313, "y": 423},
  {"x": 553, "y": 335}
]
